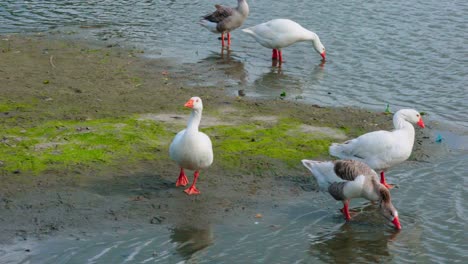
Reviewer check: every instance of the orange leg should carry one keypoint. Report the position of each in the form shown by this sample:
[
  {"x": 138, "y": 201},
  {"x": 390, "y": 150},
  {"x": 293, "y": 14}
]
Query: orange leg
[
  {"x": 345, "y": 210},
  {"x": 222, "y": 39},
  {"x": 182, "y": 180},
  {"x": 229, "y": 39},
  {"x": 274, "y": 55},
  {"x": 280, "y": 56},
  {"x": 193, "y": 189},
  {"x": 382, "y": 181}
]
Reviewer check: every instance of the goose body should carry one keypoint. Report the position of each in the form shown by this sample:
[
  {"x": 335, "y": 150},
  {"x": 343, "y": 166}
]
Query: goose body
[
  {"x": 348, "y": 179},
  {"x": 281, "y": 33},
  {"x": 226, "y": 19},
  {"x": 382, "y": 149},
  {"x": 191, "y": 149}
]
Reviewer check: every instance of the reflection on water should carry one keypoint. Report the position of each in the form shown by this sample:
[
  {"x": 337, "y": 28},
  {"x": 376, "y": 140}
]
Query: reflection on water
[
  {"x": 274, "y": 80},
  {"x": 218, "y": 69},
  {"x": 353, "y": 244},
  {"x": 190, "y": 240},
  {"x": 279, "y": 80}
]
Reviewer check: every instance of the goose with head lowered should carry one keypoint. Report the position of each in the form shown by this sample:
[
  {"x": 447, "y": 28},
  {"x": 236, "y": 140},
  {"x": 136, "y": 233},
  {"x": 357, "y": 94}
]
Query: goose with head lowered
[
  {"x": 383, "y": 149},
  {"x": 225, "y": 19},
  {"x": 191, "y": 149},
  {"x": 280, "y": 33},
  {"x": 347, "y": 179}
]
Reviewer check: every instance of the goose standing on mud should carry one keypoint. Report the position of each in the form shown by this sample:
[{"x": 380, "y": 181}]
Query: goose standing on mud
[
  {"x": 225, "y": 19},
  {"x": 347, "y": 179},
  {"x": 191, "y": 149},
  {"x": 280, "y": 33},
  {"x": 383, "y": 149}
]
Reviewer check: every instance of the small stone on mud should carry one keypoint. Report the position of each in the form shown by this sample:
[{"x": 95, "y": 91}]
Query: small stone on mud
[
  {"x": 138, "y": 198},
  {"x": 156, "y": 220},
  {"x": 307, "y": 187},
  {"x": 258, "y": 216},
  {"x": 82, "y": 128}
]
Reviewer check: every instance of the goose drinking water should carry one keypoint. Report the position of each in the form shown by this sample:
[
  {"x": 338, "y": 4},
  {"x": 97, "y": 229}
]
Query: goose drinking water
[{"x": 280, "y": 33}]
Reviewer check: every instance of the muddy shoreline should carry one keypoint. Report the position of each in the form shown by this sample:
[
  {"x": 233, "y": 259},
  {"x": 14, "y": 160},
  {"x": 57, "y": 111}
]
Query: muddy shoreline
[{"x": 78, "y": 91}]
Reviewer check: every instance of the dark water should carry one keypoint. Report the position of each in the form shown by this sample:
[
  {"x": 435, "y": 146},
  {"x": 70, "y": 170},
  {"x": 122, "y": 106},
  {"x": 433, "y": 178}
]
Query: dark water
[{"x": 404, "y": 53}]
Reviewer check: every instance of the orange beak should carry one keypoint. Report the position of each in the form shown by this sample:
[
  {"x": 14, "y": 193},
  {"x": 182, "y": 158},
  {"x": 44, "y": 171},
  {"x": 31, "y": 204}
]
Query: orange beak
[
  {"x": 421, "y": 123},
  {"x": 396, "y": 222},
  {"x": 323, "y": 54},
  {"x": 189, "y": 103}
]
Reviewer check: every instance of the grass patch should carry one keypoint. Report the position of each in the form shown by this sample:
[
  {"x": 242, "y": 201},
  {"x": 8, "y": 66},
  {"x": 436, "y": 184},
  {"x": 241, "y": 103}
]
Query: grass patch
[
  {"x": 62, "y": 144},
  {"x": 282, "y": 141},
  {"x": 7, "y": 106}
]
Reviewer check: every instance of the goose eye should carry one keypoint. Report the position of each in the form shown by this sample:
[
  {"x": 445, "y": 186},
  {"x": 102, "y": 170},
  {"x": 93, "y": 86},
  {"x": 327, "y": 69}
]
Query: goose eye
[{"x": 196, "y": 101}]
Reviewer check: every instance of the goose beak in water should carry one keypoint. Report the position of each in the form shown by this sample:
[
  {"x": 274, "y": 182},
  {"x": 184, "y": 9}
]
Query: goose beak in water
[
  {"x": 323, "y": 55},
  {"x": 396, "y": 222}
]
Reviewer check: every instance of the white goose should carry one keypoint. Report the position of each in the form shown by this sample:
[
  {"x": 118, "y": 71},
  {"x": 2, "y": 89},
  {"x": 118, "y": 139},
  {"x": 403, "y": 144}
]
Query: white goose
[
  {"x": 383, "y": 149},
  {"x": 347, "y": 179},
  {"x": 280, "y": 33},
  {"x": 191, "y": 149},
  {"x": 226, "y": 19}
]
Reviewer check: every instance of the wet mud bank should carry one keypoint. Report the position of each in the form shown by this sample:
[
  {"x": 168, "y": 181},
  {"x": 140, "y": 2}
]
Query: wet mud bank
[{"x": 85, "y": 133}]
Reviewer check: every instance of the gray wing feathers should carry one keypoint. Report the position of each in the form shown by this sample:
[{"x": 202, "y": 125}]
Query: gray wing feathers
[
  {"x": 349, "y": 169},
  {"x": 221, "y": 13},
  {"x": 336, "y": 190}
]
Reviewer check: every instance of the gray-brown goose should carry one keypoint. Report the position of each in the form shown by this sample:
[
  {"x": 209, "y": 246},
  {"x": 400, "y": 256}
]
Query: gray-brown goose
[
  {"x": 347, "y": 179},
  {"x": 225, "y": 19}
]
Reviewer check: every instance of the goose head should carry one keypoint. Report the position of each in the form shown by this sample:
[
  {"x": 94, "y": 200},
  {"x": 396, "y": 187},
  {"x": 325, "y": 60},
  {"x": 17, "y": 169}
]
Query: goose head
[
  {"x": 412, "y": 116},
  {"x": 318, "y": 46},
  {"x": 387, "y": 209},
  {"x": 195, "y": 103}
]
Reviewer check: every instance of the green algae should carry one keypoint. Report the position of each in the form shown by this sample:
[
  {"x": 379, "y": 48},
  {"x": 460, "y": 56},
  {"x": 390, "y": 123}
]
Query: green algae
[
  {"x": 6, "y": 106},
  {"x": 282, "y": 141},
  {"x": 58, "y": 145},
  {"x": 61, "y": 144}
]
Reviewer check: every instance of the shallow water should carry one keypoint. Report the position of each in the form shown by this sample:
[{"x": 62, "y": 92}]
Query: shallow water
[
  {"x": 308, "y": 229},
  {"x": 406, "y": 54}
]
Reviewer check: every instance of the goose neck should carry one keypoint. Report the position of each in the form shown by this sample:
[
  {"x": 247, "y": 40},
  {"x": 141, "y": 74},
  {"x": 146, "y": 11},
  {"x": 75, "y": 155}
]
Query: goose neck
[
  {"x": 243, "y": 7},
  {"x": 400, "y": 123},
  {"x": 194, "y": 120},
  {"x": 309, "y": 35}
]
